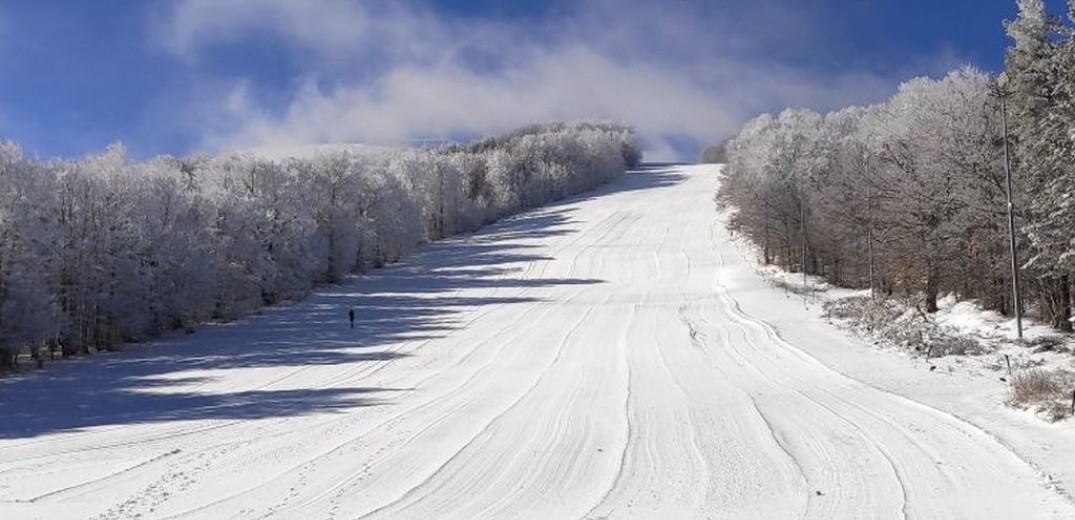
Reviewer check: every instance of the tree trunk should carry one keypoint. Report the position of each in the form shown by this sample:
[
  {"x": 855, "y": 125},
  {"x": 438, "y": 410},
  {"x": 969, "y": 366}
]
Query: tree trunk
[
  {"x": 768, "y": 253},
  {"x": 1063, "y": 298},
  {"x": 998, "y": 297},
  {"x": 330, "y": 274},
  {"x": 931, "y": 290},
  {"x": 1055, "y": 302},
  {"x": 788, "y": 257}
]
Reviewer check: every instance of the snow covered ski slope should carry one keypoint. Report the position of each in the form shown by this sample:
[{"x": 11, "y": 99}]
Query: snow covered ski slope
[{"x": 587, "y": 360}]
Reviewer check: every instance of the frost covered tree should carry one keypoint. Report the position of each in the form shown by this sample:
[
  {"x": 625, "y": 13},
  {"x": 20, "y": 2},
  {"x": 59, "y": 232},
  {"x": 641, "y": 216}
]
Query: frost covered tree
[
  {"x": 775, "y": 164},
  {"x": 921, "y": 176},
  {"x": 914, "y": 178},
  {"x": 29, "y": 312},
  {"x": 104, "y": 250},
  {"x": 936, "y": 147}
]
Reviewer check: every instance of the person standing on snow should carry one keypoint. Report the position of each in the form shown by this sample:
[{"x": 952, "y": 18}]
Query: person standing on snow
[{"x": 351, "y": 315}]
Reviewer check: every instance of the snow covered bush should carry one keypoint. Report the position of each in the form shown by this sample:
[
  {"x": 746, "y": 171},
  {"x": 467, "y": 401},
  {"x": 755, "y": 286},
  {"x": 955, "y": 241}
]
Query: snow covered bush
[
  {"x": 901, "y": 325},
  {"x": 1048, "y": 343},
  {"x": 1046, "y": 391}
]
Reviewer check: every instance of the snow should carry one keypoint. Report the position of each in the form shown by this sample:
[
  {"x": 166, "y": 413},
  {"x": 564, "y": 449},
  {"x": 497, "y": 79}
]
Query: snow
[
  {"x": 614, "y": 356},
  {"x": 968, "y": 318}
]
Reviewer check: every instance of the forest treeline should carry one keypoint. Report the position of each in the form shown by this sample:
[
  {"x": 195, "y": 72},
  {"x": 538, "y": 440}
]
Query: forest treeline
[
  {"x": 104, "y": 250},
  {"x": 910, "y": 194}
]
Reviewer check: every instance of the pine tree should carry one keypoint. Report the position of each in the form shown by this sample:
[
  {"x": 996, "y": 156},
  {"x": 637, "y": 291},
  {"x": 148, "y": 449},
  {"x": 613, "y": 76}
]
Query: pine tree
[{"x": 1036, "y": 67}]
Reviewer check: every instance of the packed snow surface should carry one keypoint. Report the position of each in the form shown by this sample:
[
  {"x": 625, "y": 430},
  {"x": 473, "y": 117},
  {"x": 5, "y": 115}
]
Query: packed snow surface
[{"x": 615, "y": 356}]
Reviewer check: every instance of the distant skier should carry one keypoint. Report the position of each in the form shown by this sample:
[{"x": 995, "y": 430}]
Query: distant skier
[{"x": 351, "y": 316}]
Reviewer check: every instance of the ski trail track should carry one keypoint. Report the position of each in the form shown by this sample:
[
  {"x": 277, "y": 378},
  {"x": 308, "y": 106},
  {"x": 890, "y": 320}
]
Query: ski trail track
[{"x": 590, "y": 359}]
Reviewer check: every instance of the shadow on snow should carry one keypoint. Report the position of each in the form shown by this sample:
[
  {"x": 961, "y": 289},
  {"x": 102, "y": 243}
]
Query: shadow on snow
[{"x": 415, "y": 300}]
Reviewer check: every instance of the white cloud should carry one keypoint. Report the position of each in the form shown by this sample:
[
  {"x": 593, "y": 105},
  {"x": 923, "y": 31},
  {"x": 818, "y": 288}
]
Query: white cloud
[
  {"x": 330, "y": 29},
  {"x": 414, "y": 101},
  {"x": 194, "y": 24},
  {"x": 671, "y": 68}
]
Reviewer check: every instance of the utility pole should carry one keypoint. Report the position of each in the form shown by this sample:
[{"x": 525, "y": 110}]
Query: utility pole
[
  {"x": 1001, "y": 91},
  {"x": 802, "y": 239},
  {"x": 869, "y": 224}
]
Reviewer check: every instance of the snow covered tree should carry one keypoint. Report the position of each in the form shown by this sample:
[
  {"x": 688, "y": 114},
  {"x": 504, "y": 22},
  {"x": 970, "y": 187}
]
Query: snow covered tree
[
  {"x": 934, "y": 200},
  {"x": 1038, "y": 69},
  {"x": 29, "y": 312},
  {"x": 103, "y": 250},
  {"x": 915, "y": 178}
]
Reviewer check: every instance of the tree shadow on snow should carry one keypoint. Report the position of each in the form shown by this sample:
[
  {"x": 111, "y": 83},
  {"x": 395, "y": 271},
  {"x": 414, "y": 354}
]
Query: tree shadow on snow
[
  {"x": 646, "y": 177},
  {"x": 422, "y": 298}
]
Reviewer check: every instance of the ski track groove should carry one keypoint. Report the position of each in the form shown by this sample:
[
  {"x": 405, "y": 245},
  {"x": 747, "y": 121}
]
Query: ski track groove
[
  {"x": 392, "y": 421},
  {"x": 629, "y": 413},
  {"x": 616, "y": 223},
  {"x": 383, "y": 365},
  {"x": 629, "y": 420},
  {"x": 778, "y": 439},
  {"x": 600, "y": 229},
  {"x": 743, "y": 321},
  {"x": 489, "y": 424},
  {"x": 950, "y": 420}
]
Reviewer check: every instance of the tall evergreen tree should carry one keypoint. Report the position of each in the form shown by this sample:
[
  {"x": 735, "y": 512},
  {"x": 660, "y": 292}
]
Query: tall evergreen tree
[{"x": 1038, "y": 70}]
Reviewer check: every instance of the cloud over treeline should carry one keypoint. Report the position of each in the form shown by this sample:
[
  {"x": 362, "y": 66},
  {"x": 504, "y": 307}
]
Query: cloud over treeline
[{"x": 389, "y": 72}]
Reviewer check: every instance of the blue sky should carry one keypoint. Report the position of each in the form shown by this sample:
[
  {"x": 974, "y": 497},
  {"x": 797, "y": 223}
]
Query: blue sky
[{"x": 179, "y": 76}]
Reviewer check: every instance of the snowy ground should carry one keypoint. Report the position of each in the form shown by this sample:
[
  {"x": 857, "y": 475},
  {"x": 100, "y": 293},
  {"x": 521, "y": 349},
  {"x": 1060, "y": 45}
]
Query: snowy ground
[
  {"x": 996, "y": 354},
  {"x": 611, "y": 357}
]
